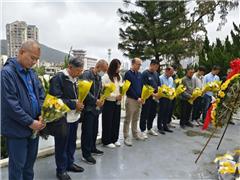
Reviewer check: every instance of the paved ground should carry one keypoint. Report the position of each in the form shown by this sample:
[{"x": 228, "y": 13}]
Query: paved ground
[{"x": 169, "y": 156}]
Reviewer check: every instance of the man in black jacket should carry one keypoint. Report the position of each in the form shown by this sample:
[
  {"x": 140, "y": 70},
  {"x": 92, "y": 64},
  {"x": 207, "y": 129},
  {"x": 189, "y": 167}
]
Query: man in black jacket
[
  {"x": 91, "y": 112},
  {"x": 64, "y": 86}
]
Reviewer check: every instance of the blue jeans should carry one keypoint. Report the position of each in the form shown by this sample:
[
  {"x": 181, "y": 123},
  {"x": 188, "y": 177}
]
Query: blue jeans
[
  {"x": 206, "y": 104},
  {"x": 22, "y": 155}
]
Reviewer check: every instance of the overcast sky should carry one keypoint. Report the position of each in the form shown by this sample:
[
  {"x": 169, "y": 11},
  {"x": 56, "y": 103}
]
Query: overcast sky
[{"x": 89, "y": 25}]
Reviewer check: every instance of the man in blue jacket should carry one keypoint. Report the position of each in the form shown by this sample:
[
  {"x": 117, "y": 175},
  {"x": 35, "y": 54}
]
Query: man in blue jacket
[
  {"x": 21, "y": 100},
  {"x": 64, "y": 86},
  {"x": 133, "y": 102},
  {"x": 149, "y": 109}
]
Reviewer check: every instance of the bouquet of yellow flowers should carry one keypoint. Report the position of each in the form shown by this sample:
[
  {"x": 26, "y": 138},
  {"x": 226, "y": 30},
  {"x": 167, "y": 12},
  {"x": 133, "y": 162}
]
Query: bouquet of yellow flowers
[
  {"x": 166, "y": 92},
  {"x": 214, "y": 86},
  {"x": 147, "y": 91},
  {"x": 84, "y": 87},
  {"x": 179, "y": 90},
  {"x": 197, "y": 92},
  {"x": 53, "y": 108},
  {"x": 124, "y": 87},
  {"x": 107, "y": 90},
  {"x": 178, "y": 81}
]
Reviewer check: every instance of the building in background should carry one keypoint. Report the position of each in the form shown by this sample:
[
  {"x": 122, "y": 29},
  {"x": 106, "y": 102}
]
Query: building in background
[
  {"x": 88, "y": 61},
  {"x": 52, "y": 70},
  {"x": 18, "y": 32},
  {"x": 32, "y": 32}
]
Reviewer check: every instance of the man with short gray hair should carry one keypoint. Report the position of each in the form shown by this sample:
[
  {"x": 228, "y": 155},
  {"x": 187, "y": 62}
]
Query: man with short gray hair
[{"x": 64, "y": 86}]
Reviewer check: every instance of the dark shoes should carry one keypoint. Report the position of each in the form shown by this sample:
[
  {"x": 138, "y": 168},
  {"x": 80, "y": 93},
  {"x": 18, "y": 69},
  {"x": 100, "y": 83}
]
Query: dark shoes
[
  {"x": 75, "y": 168},
  {"x": 161, "y": 132},
  {"x": 189, "y": 124},
  {"x": 89, "y": 160},
  {"x": 168, "y": 130},
  {"x": 63, "y": 176},
  {"x": 183, "y": 126},
  {"x": 171, "y": 126},
  {"x": 97, "y": 152}
]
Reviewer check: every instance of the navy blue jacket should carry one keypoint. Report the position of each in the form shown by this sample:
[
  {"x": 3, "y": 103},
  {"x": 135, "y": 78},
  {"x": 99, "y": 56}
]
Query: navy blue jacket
[
  {"x": 16, "y": 107},
  {"x": 151, "y": 78},
  {"x": 63, "y": 88},
  {"x": 135, "y": 88}
]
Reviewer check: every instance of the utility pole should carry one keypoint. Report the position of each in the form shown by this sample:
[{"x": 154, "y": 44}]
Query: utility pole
[{"x": 109, "y": 55}]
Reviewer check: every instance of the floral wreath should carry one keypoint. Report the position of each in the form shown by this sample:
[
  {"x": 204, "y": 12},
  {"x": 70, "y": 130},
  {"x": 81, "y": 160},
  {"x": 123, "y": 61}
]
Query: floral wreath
[{"x": 228, "y": 98}]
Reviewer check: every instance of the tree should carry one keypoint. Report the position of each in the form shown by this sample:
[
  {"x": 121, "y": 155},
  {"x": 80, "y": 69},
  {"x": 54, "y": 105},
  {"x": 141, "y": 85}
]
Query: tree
[
  {"x": 156, "y": 29},
  {"x": 66, "y": 61},
  {"x": 221, "y": 53},
  {"x": 209, "y": 9},
  {"x": 40, "y": 70}
]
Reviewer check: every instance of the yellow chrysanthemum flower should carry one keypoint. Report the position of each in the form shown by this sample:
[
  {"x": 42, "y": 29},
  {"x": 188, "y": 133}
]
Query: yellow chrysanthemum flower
[{"x": 221, "y": 94}]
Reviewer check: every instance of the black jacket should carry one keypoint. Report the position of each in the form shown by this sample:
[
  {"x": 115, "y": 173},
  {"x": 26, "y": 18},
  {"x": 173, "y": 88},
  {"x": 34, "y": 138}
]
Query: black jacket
[
  {"x": 62, "y": 87},
  {"x": 94, "y": 94}
]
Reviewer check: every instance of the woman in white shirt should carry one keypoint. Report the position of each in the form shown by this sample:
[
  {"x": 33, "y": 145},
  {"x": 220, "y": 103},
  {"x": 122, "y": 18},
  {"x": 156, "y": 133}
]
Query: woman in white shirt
[{"x": 112, "y": 107}]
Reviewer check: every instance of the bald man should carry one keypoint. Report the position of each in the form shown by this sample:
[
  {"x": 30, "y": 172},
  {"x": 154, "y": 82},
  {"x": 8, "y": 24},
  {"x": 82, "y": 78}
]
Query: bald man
[
  {"x": 91, "y": 112},
  {"x": 21, "y": 100}
]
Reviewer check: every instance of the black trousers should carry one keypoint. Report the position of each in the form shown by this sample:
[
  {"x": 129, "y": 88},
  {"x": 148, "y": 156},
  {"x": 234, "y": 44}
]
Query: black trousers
[
  {"x": 111, "y": 115},
  {"x": 186, "y": 109},
  {"x": 197, "y": 108},
  {"x": 172, "y": 106},
  {"x": 89, "y": 133},
  {"x": 148, "y": 113},
  {"x": 163, "y": 113}
]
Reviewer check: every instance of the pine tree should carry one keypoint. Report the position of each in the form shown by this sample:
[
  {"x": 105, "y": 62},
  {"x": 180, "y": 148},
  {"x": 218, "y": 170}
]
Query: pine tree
[
  {"x": 157, "y": 29},
  {"x": 221, "y": 52}
]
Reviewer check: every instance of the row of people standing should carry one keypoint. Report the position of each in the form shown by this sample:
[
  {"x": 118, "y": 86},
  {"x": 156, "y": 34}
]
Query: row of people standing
[
  {"x": 63, "y": 85},
  {"x": 191, "y": 113},
  {"x": 22, "y": 98},
  {"x": 135, "y": 107}
]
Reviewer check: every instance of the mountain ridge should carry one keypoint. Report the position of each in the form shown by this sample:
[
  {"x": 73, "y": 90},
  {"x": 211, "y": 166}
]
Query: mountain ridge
[{"x": 48, "y": 54}]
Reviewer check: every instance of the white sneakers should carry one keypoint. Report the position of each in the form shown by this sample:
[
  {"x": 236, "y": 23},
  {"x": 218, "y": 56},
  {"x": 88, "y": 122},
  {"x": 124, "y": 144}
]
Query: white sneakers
[
  {"x": 152, "y": 132},
  {"x": 117, "y": 144},
  {"x": 144, "y": 135},
  {"x": 139, "y": 137},
  {"x": 128, "y": 141},
  {"x": 110, "y": 145}
]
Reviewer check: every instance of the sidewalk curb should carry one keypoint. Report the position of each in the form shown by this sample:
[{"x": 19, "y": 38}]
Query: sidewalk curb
[{"x": 45, "y": 152}]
